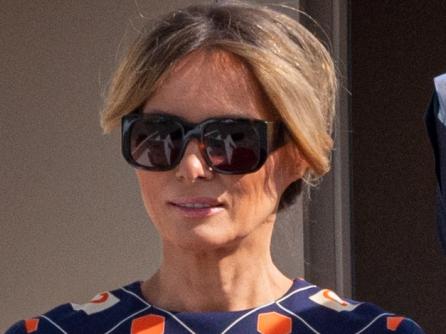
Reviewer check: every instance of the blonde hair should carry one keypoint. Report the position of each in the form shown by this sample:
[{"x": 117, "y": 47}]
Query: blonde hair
[{"x": 294, "y": 68}]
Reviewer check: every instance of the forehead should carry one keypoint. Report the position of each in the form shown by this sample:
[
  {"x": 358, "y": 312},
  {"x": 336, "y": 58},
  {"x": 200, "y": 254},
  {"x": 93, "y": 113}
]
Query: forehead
[{"x": 210, "y": 83}]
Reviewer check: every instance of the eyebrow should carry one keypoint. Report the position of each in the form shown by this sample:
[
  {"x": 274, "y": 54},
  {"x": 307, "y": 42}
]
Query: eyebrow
[
  {"x": 158, "y": 111},
  {"x": 171, "y": 113}
]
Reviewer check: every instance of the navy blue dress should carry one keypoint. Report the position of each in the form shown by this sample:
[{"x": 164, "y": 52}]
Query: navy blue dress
[{"x": 303, "y": 309}]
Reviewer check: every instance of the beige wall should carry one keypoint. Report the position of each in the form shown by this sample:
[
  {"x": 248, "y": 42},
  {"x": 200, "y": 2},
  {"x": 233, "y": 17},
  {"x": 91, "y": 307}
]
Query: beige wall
[{"x": 72, "y": 222}]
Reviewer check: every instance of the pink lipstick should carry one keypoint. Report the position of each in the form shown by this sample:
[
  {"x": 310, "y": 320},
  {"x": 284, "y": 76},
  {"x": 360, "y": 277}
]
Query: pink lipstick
[{"x": 197, "y": 207}]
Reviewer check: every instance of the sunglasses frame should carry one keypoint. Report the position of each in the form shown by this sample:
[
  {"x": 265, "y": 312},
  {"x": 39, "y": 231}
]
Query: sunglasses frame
[{"x": 270, "y": 136}]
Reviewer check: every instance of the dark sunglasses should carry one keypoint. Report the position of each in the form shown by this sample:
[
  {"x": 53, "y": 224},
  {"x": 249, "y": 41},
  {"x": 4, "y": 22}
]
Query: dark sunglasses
[{"x": 156, "y": 142}]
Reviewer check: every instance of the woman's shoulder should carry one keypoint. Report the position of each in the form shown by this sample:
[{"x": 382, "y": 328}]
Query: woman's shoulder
[
  {"x": 93, "y": 316},
  {"x": 326, "y": 312}
]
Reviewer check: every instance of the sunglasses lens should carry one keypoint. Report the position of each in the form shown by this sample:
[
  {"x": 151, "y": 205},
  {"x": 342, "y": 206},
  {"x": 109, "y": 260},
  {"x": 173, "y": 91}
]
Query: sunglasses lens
[
  {"x": 232, "y": 146},
  {"x": 156, "y": 143}
]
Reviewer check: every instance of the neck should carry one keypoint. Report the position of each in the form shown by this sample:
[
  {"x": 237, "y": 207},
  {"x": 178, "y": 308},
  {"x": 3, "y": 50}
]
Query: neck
[{"x": 237, "y": 278}]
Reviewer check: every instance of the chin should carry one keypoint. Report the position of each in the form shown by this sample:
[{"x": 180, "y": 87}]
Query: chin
[{"x": 198, "y": 241}]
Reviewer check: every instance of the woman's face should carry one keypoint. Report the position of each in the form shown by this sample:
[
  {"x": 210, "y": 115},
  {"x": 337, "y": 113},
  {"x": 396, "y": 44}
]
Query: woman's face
[{"x": 207, "y": 84}]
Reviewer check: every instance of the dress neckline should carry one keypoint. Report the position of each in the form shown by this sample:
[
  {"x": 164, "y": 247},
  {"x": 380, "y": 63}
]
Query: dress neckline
[{"x": 296, "y": 283}]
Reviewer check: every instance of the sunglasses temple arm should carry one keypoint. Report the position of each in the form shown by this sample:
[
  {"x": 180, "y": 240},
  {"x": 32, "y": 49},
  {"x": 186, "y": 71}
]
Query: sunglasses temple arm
[{"x": 275, "y": 135}]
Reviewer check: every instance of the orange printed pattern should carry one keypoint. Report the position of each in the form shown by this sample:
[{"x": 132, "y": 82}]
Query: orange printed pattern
[
  {"x": 274, "y": 323},
  {"x": 101, "y": 298},
  {"x": 31, "y": 325},
  {"x": 331, "y": 300},
  {"x": 330, "y": 295},
  {"x": 99, "y": 303},
  {"x": 394, "y": 322},
  {"x": 149, "y": 324}
]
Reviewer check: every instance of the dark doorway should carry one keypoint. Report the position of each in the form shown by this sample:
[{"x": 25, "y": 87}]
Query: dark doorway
[{"x": 397, "y": 47}]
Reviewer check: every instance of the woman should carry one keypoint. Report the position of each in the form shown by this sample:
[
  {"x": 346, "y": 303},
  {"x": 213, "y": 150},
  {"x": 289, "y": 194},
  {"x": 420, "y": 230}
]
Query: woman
[{"x": 225, "y": 109}]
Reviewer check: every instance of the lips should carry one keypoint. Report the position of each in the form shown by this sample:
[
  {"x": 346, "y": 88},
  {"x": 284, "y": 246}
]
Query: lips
[
  {"x": 197, "y": 207},
  {"x": 196, "y": 202}
]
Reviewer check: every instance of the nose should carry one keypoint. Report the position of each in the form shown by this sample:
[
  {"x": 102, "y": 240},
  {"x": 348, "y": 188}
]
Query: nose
[{"x": 193, "y": 166}]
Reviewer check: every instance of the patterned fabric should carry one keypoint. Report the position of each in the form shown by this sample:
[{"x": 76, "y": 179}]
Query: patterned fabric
[
  {"x": 435, "y": 119},
  {"x": 305, "y": 308}
]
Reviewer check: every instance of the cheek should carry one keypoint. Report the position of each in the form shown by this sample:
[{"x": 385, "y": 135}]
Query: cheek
[
  {"x": 254, "y": 194},
  {"x": 265, "y": 187},
  {"x": 285, "y": 167},
  {"x": 150, "y": 185}
]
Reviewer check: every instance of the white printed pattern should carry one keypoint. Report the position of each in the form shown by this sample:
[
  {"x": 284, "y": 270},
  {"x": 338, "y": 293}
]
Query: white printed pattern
[
  {"x": 331, "y": 300},
  {"x": 99, "y": 303}
]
